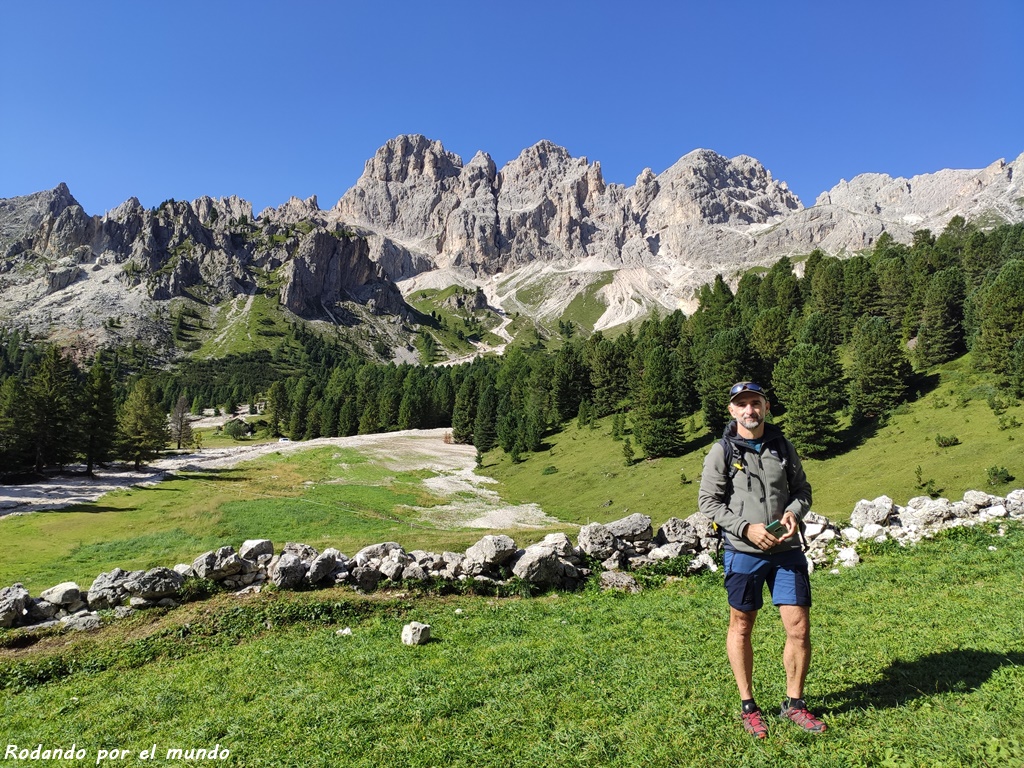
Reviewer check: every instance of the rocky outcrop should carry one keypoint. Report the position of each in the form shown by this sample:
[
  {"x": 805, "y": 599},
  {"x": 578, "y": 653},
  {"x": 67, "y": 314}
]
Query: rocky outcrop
[
  {"x": 57, "y": 261},
  {"x": 329, "y": 269}
]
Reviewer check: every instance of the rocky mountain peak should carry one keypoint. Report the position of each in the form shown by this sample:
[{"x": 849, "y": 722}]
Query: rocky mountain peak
[
  {"x": 718, "y": 190},
  {"x": 294, "y": 211},
  {"x": 411, "y": 158}
]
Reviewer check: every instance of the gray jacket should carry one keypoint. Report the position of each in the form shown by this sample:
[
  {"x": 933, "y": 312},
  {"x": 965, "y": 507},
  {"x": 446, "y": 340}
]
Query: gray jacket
[{"x": 759, "y": 492}]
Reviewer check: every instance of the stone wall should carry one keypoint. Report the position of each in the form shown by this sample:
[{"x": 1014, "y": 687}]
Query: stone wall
[{"x": 613, "y": 549}]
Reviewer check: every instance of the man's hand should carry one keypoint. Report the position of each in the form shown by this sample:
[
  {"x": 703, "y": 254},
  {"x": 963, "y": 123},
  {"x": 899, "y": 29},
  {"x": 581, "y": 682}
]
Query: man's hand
[
  {"x": 758, "y": 535},
  {"x": 792, "y": 525}
]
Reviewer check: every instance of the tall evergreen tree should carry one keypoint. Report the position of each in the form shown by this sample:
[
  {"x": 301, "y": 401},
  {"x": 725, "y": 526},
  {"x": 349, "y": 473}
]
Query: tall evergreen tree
[
  {"x": 485, "y": 434},
  {"x": 1000, "y": 308},
  {"x": 16, "y": 450},
  {"x": 879, "y": 369},
  {"x": 656, "y": 415},
  {"x": 609, "y": 376},
  {"x": 940, "y": 336},
  {"x": 684, "y": 374},
  {"x": 299, "y": 409},
  {"x": 860, "y": 290},
  {"x": 52, "y": 410},
  {"x": 818, "y": 329},
  {"x": 464, "y": 410},
  {"x": 570, "y": 382},
  {"x": 725, "y": 362},
  {"x": 769, "y": 341},
  {"x": 809, "y": 382},
  {"x": 781, "y": 288},
  {"x": 99, "y": 415},
  {"x": 181, "y": 427},
  {"x": 278, "y": 409},
  {"x": 893, "y": 289},
  {"x": 141, "y": 425},
  {"x": 827, "y": 295},
  {"x": 1015, "y": 370}
]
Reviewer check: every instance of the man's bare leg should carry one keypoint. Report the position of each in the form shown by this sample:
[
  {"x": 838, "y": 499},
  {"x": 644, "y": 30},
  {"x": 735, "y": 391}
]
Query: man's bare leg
[
  {"x": 741, "y": 651},
  {"x": 796, "y": 656}
]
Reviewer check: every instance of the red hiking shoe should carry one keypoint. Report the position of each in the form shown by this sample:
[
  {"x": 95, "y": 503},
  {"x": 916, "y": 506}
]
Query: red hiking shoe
[
  {"x": 799, "y": 714},
  {"x": 754, "y": 724}
]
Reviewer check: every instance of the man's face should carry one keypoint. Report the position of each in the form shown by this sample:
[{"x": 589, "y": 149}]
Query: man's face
[{"x": 749, "y": 409}]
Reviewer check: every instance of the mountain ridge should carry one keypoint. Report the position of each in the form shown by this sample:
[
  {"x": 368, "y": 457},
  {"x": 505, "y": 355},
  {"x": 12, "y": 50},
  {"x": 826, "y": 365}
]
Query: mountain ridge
[{"x": 418, "y": 217}]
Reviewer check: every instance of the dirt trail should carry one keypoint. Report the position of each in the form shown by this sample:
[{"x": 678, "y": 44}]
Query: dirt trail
[{"x": 470, "y": 504}]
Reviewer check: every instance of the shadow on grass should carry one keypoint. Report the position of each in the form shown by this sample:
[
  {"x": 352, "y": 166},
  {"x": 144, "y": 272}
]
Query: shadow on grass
[
  {"x": 214, "y": 475},
  {"x": 89, "y": 509},
  {"x": 959, "y": 671}
]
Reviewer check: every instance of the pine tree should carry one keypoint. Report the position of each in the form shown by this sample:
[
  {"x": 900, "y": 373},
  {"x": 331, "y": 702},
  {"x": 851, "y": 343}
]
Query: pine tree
[
  {"x": 277, "y": 407},
  {"x": 52, "y": 410},
  {"x": 940, "y": 336},
  {"x": 464, "y": 410},
  {"x": 1015, "y": 370},
  {"x": 627, "y": 452},
  {"x": 769, "y": 340},
  {"x": 141, "y": 425},
  {"x": 484, "y": 427},
  {"x": 617, "y": 426},
  {"x": 609, "y": 376},
  {"x": 878, "y": 370},
  {"x": 893, "y": 289},
  {"x": 860, "y": 290},
  {"x": 809, "y": 382},
  {"x": 1000, "y": 307},
  {"x": 570, "y": 382},
  {"x": 16, "y": 450},
  {"x": 725, "y": 362},
  {"x": 299, "y": 409},
  {"x": 537, "y": 404},
  {"x": 99, "y": 415},
  {"x": 827, "y": 295},
  {"x": 656, "y": 414}
]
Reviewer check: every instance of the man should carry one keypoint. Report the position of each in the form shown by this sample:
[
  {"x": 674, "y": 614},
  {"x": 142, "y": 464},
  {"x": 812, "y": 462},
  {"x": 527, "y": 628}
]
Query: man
[{"x": 762, "y": 482}]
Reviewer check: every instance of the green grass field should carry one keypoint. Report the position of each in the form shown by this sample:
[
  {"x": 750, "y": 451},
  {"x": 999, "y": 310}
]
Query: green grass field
[
  {"x": 919, "y": 660},
  {"x": 582, "y": 470},
  {"x": 322, "y": 497}
]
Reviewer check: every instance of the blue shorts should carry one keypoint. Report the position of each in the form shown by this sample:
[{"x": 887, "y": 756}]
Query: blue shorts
[{"x": 785, "y": 574}]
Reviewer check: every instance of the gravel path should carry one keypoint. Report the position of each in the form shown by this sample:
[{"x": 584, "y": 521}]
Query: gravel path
[{"x": 470, "y": 503}]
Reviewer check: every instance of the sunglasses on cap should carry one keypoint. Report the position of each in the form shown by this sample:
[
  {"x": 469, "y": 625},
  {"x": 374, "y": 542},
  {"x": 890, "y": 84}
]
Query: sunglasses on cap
[{"x": 747, "y": 386}]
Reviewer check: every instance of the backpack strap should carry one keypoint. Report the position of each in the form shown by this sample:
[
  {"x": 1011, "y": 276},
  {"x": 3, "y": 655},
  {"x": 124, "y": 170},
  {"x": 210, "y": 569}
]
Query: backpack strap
[{"x": 731, "y": 467}]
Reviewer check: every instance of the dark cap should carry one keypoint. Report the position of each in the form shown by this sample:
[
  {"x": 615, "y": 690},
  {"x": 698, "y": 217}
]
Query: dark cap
[{"x": 747, "y": 386}]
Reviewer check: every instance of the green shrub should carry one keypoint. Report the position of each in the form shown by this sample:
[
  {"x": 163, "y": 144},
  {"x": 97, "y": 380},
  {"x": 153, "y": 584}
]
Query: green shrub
[
  {"x": 1008, "y": 422},
  {"x": 999, "y": 476},
  {"x": 946, "y": 441}
]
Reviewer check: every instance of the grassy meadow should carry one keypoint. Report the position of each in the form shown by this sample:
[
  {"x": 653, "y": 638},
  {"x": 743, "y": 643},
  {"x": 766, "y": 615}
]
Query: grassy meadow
[
  {"x": 322, "y": 497},
  {"x": 919, "y": 660},
  {"x": 581, "y": 470}
]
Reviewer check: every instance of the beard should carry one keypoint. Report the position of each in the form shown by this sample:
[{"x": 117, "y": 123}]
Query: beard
[{"x": 750, "y": 422}]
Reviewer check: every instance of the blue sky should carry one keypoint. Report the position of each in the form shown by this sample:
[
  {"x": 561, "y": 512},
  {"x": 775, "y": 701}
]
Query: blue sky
[{"x": 266, "y": 100}]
